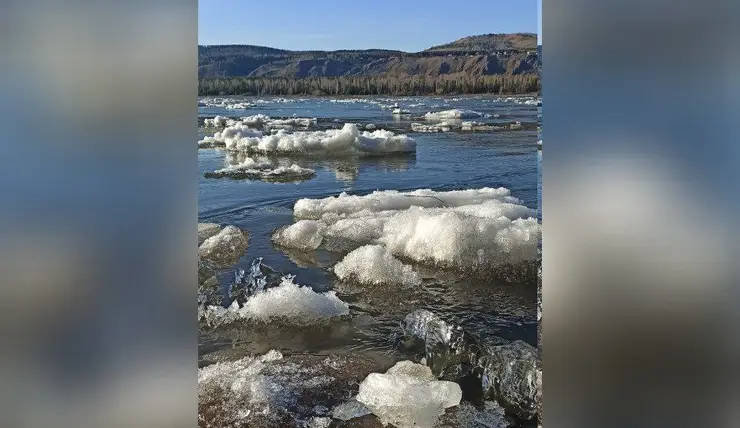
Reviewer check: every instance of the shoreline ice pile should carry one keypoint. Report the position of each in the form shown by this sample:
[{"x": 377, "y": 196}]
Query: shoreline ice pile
[
  {"x": 263, "y": 170},
  {"x": 408, "y": 395},
  {"x": 348, "y": 140},
  {"x": 287, "y": 303},
  {"x": 463, "y": 229}
]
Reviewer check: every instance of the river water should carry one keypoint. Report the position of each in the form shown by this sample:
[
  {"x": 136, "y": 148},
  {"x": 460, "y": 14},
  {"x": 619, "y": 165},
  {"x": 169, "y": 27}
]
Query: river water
[{"x": 443, "y": 161}]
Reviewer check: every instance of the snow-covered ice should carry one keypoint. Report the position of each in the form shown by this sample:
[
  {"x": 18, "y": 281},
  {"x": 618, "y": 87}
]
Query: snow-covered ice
[
  {"x": 346, "y": 141},
  {"x": 263, "y": 170},
  {"x": 408, "y": 395},
  {"x": 288, "y": 303},
  {"x": 452, "y": 114},
  {"x": 374, "y": 265},
  {"x": 303, "y": 235},
  {"x": 224, "y": 248},
  {"x": 476, "y": 228}
]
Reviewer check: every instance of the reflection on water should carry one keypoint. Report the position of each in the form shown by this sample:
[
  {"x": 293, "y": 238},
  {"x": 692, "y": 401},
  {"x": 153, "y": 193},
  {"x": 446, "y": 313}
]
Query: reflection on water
[{"x": 345, "y": 169}]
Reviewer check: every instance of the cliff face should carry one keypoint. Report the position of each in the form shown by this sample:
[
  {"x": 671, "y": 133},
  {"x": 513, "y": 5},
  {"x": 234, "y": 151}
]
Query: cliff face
[{"x": 470, "y": 56}]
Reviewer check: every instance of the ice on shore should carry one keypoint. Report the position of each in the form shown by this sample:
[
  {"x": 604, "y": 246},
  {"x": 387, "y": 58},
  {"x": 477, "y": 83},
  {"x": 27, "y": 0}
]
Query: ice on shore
[
  {"x": 374, "y": 265},
  {"x": 263, "y": 170},
  {"x": 477, "y": 228},
  {"x": 288, "y": 303},
  {"x": 408, "y": 395}
]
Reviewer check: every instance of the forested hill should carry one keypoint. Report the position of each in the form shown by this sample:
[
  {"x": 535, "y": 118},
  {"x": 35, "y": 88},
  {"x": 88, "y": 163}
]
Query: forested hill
[{"x": 482, "y": 55}]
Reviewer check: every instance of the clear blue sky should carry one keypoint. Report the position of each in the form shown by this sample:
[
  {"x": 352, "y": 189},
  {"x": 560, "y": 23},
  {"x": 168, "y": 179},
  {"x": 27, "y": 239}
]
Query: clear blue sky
[{"x": 409, "y": 25}]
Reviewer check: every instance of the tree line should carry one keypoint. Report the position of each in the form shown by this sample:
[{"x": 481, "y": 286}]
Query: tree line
[{"x": 502, "y": 84}]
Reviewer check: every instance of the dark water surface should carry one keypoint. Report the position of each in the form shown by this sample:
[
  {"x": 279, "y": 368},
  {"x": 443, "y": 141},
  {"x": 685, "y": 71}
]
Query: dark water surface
[{"x": 443, "y": 161}]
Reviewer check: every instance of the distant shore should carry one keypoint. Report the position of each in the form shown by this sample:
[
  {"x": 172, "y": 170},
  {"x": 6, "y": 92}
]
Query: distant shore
[{"x": 502, "y": 84}]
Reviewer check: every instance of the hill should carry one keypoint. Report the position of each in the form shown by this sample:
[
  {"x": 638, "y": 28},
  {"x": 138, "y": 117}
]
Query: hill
[{"x": 482, "y": 55}]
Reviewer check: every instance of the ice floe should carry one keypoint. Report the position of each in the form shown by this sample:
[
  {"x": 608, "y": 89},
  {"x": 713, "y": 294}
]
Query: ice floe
[
  {"x": 452, "y": 114},
  {"x": 287, "y": 303},
  {"x": 263, "y": 170},
  {"x": 374, "y": 265},
  {"x": 408, "y": 395},
  {"x": 226, "y": 103},
  {"x": 477, "y": 228},
  {"x": 346, "y": 141},
  {"x": 445, "y": 126},
  {"x": 225, "y": 247}
]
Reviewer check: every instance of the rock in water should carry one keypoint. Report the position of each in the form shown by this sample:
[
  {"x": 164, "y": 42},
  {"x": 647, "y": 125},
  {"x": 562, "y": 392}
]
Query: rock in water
[
  {"x": 408, "y": 396},
  {"x": 450, "y": 352},
  {"x": 512, "y": 376},
  {"x": 206, "y": 230},
  {"x": 224, "y": 248}
]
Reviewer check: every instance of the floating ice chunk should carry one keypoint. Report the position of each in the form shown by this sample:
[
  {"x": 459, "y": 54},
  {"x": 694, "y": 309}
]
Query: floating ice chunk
[
  {"x": 370, "y": 127},
  {"x": 348, "y": 140},
  {"x": 445, "y": 126},
  {"x": 293, "y": 303},
  {"x": 404, "y": 399},
  {"x": 206, "y": 230},
  {"x": 267, "y": 171},
  {"x": 288, "y": 303},
  {"x": 400, "y": 112},
  {"x": 295, "y": 122},
  {"x": 224, "y": 248},
  {"x": 217, "y": 122},
  {"x": 373, "y": 264},
  {"x": 479, "y": 126},
  {"x": 384, "y": 200},
  {"x": 477, "y": 228},
  {"x": 303, "y": 235},
  {"x": 350, "y": 410},
  {"x": 452, "y": 114}
]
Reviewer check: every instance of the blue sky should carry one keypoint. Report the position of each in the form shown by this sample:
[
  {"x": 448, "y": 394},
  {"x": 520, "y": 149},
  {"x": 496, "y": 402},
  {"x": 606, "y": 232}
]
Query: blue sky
[{"x": 409, "y": 25}]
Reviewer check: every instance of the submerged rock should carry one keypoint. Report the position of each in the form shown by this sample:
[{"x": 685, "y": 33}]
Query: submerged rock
[{"x": 224, "y": 248}]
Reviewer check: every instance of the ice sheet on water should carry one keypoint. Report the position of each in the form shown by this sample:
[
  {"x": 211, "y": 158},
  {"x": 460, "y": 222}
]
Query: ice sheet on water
[
  {"x": 407, "y": 395},
  {"x": 445, "y": 126},
  {"x": 262, "y": 170},
  {"x": 477, "y": 228},
  {"x": 452, "y": 114},
  {"x": 288, "y": 303},
  {"x": 346, "y": 141},
  {"x": 374, "y": 265}
]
